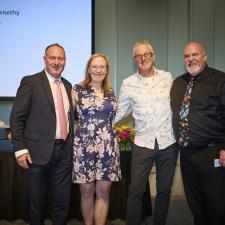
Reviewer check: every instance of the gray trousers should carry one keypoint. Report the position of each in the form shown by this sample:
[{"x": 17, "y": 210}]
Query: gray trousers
[{"x": 142, "y": 162}]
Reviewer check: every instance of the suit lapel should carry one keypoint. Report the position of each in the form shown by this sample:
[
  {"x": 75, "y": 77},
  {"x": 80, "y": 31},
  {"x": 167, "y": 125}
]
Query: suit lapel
[
  {"x": 68, "y": 91},
  {"x": 48, "y": 91}
]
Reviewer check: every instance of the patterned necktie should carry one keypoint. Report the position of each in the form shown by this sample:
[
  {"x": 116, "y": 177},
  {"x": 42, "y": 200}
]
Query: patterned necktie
[
  {"x": 61, "y": 112},
  {"x": 183, "y": 122}
]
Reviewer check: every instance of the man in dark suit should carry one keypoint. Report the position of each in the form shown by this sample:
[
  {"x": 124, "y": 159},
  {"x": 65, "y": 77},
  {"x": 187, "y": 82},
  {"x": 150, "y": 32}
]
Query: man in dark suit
[{"x": 42, "y": 136}]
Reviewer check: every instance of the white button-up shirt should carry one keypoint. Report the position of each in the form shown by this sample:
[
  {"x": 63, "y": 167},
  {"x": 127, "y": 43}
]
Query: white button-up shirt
[{"x": 149, "y": 99}]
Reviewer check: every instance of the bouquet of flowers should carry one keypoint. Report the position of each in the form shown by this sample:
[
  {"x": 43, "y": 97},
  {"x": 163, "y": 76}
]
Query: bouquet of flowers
[{"x": 125, "y": 137}]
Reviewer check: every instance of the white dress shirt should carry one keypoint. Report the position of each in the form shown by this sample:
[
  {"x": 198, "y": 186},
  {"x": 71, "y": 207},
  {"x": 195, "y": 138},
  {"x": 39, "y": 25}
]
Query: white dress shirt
[{"x": 149, "y": 99}]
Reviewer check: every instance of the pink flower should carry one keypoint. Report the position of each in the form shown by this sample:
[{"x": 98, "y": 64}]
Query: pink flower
[
  {"x": 125, "y": 137},
  {"x": 124, "y": 134}
]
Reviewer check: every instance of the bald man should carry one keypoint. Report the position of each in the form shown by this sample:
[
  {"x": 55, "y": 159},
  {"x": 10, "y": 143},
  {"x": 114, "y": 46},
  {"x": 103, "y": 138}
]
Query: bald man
[{"x": 198, "y": 105}]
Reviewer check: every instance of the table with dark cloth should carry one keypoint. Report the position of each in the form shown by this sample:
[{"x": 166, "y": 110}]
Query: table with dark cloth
[{"x": 14, "y": 200}]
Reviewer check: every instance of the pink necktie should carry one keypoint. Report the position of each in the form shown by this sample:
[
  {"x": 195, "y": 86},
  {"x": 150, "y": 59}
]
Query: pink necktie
[{"x": 61, "y": 111}]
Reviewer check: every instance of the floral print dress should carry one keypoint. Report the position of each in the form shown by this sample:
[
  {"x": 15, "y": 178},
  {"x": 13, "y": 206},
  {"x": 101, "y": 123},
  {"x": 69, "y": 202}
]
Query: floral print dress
[{"x": 95, "y": 152}]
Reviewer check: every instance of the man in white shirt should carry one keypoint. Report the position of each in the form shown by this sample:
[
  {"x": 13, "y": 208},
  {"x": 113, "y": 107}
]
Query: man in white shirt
[{"x": 147, "y": 92}]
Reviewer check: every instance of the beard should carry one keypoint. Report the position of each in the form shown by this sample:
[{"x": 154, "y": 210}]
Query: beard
[{"x": 194, "y": 69}]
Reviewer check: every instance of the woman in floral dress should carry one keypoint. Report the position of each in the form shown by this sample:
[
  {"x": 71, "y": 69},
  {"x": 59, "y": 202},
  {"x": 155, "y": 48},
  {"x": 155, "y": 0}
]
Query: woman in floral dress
[{"x": 96, "y": 159}]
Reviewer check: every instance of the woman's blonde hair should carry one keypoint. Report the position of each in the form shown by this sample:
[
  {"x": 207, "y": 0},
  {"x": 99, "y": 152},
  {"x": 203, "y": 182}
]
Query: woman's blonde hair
[{"x": 106, "y": 87}]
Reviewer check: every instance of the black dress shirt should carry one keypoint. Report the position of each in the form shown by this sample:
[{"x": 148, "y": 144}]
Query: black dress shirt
[{"x": 207, "y": 107}]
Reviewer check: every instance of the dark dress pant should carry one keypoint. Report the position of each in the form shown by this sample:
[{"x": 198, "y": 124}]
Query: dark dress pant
[
  {"x": 204, "y": 184},
  {"x": 142, "y": 162},
  {"x": 54, "y": 177}
]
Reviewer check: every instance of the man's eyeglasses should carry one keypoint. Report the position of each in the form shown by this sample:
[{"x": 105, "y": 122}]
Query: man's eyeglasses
[
  {"x": 146, "y": 55},
  {"x": 101, "y": 68}
]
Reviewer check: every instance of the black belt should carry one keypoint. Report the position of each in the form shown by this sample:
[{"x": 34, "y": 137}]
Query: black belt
[
  {"x": 58, "y": 141},
  {"x": 211, "y": 144}
]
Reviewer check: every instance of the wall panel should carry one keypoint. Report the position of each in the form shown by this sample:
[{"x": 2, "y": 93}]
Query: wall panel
[
  {"x": 220, "y": 35},
  {"x": 178, "y": 35},
  {"x": 202, "y": 25},
  {"x": 140, "y": 20}
]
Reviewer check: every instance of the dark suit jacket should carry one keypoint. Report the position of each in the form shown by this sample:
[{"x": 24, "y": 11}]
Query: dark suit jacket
[{"x": 33, "y": 117}]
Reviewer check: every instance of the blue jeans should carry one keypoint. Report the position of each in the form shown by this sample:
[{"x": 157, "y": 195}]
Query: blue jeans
[{"x": 142, "y": 162}]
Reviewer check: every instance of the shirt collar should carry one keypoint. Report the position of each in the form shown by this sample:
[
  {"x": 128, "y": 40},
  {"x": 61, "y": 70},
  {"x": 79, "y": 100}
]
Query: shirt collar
[
  {"x": 144, "y": 78},
  {"x": 51, "y": 78},
  {"x": 200, "y": 76}
]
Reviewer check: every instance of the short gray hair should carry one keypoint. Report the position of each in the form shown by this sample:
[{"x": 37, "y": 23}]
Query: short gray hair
[{"x": 145, "y": 42}]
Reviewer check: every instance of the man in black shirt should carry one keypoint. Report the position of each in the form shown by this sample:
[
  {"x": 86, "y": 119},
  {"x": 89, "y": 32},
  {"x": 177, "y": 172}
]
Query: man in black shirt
[{"x": 201, "y": 135}]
